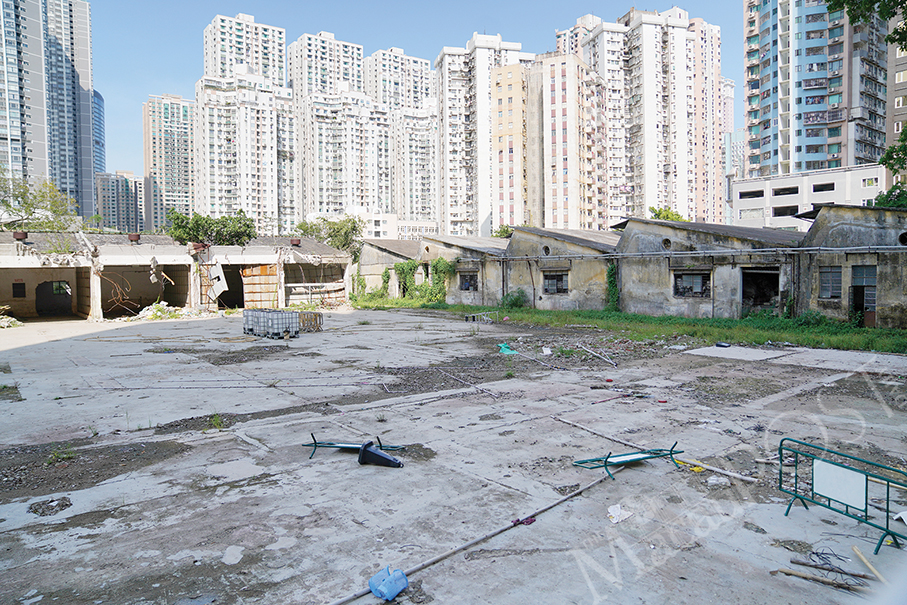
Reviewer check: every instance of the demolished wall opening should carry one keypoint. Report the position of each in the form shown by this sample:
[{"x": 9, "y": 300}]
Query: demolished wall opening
[
  {"x": 53, "y": 298},
  {"x": 232, "y": 297},
  {"x": 126, "y": 290},
  {"x": 761, "y": 289}
]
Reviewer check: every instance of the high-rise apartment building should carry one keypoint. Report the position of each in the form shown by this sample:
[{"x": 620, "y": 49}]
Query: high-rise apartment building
[
  {"x": 234, "y": 41},
  {"x": 245, "y": 127},
  {"x": 98, "y": 133},
  {"x": 669, "y": 69},
  {"x": 414, "y": 164},
  {"x": 897, "y": 96},
  {"x": 571, "y": 40},
  {"x": 467, "y": 168},
  {"x": 245, "y": 151},
  {"x": 322, "y": 64},
  {"x": 168, "y": 125},
  {"x": 567, "y": 124},
  {"x": 119, "y": 198},
  {"x": 509, "y": 123},
  {"x": 397, "y": 80},
  {"x": 815, "y": 87},
  {"x": 345, "y": 161},
  {"x": 46, "y": 95}
]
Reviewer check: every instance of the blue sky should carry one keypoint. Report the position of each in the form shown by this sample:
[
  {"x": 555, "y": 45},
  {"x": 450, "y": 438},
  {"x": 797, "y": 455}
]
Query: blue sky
[{"x": 143, "y": 48}]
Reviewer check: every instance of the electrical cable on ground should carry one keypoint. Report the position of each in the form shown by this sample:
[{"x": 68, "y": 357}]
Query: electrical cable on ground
[{"x": 487, "y": 536}]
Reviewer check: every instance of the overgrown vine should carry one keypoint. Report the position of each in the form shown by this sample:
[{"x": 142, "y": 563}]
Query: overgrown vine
[{"x": 613, "y": 289}]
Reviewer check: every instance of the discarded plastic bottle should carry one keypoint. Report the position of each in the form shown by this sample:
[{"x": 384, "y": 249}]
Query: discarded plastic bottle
[{"x": 387, "y": 584}]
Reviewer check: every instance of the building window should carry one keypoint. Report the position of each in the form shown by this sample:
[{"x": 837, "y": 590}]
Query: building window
[
  {"x": 871, "y": 182},
  {"x": 18, "y": 290},
  {"x": 863, "y": 275},
  {"x": 469, "y": 282},
  {"x": 692, "y": 285},
  {"x": 829, "y": 282},
  {"x": 555, "y": 283}
]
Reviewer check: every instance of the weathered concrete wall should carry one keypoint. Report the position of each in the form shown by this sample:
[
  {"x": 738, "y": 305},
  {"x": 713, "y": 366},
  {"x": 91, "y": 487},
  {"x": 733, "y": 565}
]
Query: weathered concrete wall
[
  {"x": 489, "y": 276},
  {"x": 647, "y": 284},
  {"x": 372, "y": 263},
  {"x": 853, "y": 226},
  {"x": 647, "y": 238},
  {"x": 32, "y": 278},
  {"x": 82, "y": 292},
  {"x": 586, "y": 270},
  {"x": 891, "y": 291}
]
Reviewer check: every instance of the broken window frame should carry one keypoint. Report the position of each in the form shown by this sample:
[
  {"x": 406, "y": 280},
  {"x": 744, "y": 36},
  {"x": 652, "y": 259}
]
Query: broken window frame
[
  {"x": 469, "y": 281},
  {"x": 555, "y": 283},
  {"x": 686, "y": 286},
  {"x": 830, "y": 282}
]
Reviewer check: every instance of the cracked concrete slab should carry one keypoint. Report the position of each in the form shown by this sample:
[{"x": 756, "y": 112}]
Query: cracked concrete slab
[{"x": 242, "y": 514}]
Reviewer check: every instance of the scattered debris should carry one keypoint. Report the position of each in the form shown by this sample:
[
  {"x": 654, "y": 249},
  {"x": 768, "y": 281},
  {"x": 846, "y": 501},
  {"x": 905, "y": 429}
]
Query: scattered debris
[
  {"x": 368, "y": 454},
  {"x": 831, "y": 568},
  {"x": 820, "y": 579},
  {"x": 717, "y": 481},
  {"x": 797, "y": 546},
  {"x": 754, "y": 528},
  {"x": 9, "y": 322},
  {"x": 869, "y": 565},
  {"x": 46, "y": 508},
  {"x": 617, "y": 514},
  {"x": 387, "y": 584}
]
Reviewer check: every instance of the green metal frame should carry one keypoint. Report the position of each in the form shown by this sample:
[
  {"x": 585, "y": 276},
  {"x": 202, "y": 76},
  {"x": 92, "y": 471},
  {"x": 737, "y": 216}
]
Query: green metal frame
[
  {"x": 348, "y": 446},
  {"x": 629, "y": 458},
  {"x": 810, "y": 452}
]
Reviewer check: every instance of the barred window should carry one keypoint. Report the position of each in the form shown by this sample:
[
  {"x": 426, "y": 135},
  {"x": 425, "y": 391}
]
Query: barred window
[
  {"x": 555, "y": 283},
  {"x": 692, "y": 285},
  {"x": 829, "y": 282}
]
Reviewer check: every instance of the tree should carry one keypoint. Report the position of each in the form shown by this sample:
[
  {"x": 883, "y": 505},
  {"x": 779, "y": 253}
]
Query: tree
[
  {"x": 235, "y": 230},
  {"x": 344, "y": 234},
  {"x": 896, "y": 197},
  {"x": 666, "y": 214},
  {"x": 37, "y": 206},
  {"x": 502, "y": 231}
]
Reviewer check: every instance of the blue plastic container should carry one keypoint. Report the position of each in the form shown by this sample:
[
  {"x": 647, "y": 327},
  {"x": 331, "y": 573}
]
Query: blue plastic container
[{"x": 387, "y": 584}]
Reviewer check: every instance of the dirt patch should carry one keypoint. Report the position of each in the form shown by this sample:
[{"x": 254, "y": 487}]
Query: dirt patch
[
  {"x": 567, "y": 489},
  {"x": 753, "y": 527},
  {"x": 223, "y": 358},
  {"x": 415, "y": 594},
  {"x": 797, "y": 546},
  {"x": 10, "y": 392},
  {"x": 36, "y": 470},
  {"x": 417, "y": 452},
  {"x": 4, "y": 368},
  {"x": 491, "y": 417}
]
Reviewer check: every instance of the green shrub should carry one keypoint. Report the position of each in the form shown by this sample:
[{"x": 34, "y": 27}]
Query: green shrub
[{"x": 515, "y": 299}]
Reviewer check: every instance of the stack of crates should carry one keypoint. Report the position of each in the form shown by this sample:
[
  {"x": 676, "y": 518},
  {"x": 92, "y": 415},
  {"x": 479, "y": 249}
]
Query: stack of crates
[{"x": 270, "y": 323}]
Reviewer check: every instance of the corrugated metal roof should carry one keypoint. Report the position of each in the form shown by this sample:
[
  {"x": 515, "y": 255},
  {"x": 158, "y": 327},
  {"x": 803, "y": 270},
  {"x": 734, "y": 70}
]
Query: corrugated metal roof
[
  {"x": 604, "y": 241},
  {"x": 775, "y": 237}
]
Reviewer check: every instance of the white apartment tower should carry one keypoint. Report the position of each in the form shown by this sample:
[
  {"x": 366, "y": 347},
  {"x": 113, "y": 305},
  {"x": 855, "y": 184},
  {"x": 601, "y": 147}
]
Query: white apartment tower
[
  {"x": 466, "y": 171},
  {"x": 168, "y": 125},
  {"x": 397, "y": 80},
  {"x": 233, "y": 41},
  {"x": 322, "y": 64},
  {"x": 245, "y": 133},
  {"x": 414, "y": 162},
  {"x": 567, "y": 124},
  {"x": 669, "y": 66},
  {"x": 119, "y": 200},
  {"x": 346, "y": 155},
  {"x": 245, "y": 150},
  {"x": 571, "y": 40},
  {"x": 46, "y": 95}
]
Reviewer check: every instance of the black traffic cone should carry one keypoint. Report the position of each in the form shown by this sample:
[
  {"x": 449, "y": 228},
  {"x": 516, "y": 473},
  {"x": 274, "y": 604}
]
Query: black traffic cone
[{"x": 368, "y": 454}]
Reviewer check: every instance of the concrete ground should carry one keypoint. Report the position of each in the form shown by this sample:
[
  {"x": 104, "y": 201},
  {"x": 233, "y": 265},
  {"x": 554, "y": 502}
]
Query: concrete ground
[{"x": 165, "y": 462}]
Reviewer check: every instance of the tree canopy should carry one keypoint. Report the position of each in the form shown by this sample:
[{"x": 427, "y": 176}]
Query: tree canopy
[
  {"x": 344, "y": 234},
  {"x": 37, "y": 206},
  {"x": 502, "y": 231},
  {"x": 666, "y": 214},
  {"x": 235, "y": 230}
]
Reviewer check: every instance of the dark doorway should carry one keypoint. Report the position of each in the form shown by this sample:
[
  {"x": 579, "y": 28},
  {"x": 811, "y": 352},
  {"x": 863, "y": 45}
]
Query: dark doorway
[
  {"x": 232, "y": 297},
  {"x": 863, "y": 294},
  {"x": 53, "y": 298},
  {"x": 761, "y": 289}
]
